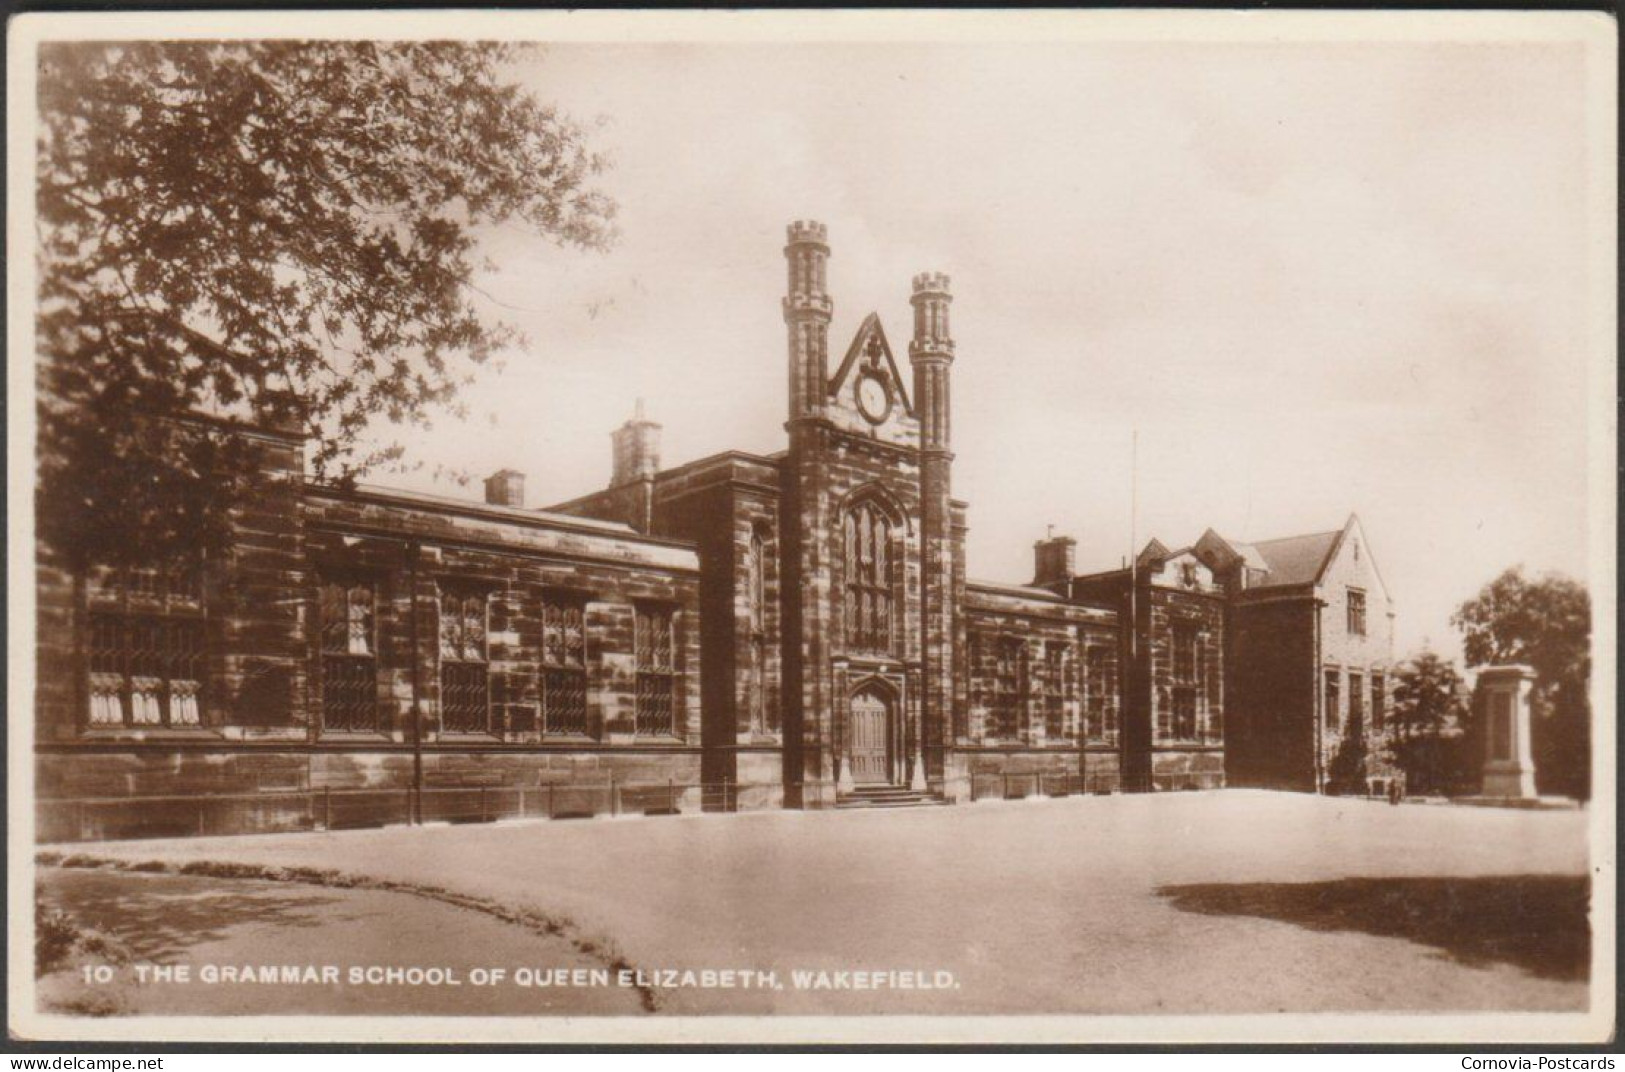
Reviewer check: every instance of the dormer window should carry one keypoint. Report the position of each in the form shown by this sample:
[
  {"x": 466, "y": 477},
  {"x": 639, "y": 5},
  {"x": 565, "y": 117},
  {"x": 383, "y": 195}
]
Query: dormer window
[{"x": 1187, "y": 574}]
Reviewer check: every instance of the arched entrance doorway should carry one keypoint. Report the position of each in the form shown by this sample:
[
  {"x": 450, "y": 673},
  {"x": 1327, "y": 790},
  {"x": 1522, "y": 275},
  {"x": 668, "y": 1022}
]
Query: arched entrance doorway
[{"x": 869, "y": 738}]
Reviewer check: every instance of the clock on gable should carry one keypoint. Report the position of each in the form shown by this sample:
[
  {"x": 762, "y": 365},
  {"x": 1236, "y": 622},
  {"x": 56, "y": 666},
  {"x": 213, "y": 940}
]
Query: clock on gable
[{"x": 874, "y": 397}]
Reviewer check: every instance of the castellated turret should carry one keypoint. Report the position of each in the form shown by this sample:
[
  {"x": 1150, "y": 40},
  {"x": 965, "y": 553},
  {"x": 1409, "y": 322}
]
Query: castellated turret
[
  {"x": 931, "y": 351},
  {"x": 807, "y": 312}
]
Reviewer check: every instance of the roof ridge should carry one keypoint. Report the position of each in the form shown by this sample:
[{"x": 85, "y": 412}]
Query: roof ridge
[{"x": 1299, "y": 536}]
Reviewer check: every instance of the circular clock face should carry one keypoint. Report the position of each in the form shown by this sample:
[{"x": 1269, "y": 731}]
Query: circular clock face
[{"x": 873, "y": 398}]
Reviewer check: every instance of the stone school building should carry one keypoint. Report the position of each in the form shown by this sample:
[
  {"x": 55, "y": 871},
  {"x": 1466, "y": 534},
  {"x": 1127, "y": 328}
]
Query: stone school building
[{"x": 793, "y": 629}]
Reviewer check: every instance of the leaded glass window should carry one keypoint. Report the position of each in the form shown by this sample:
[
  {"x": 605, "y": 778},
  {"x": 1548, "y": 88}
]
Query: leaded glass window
[
  {"x": 465, "y": 703},
  {"x": 564, "y": 666},
  {"x": 656, "y": 670},
  {"x": 1180, "y": 723},
  {"x": 145, "y": 648},
  {"x": 1099, "y": 695},
  {"x": 757, "y": 706},
  {"x": 349, "y": 657},
  {"x": 1009, "y": 688},
  {"x": 1055, "y": 692},
  {"x": 868, "y": 580},
  {"x": 1184, "y": 713}
]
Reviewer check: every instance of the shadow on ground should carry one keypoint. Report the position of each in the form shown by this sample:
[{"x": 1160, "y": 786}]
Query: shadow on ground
[
  {"x": 157, "y": 919},
  {"x": 1533, "y": 922}
]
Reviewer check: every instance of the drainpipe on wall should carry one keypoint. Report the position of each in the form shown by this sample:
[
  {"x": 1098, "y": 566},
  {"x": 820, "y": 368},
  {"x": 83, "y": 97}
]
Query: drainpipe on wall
[
  {"x": 413, "y": 550},
  {"x": 1318, "y": 714}
]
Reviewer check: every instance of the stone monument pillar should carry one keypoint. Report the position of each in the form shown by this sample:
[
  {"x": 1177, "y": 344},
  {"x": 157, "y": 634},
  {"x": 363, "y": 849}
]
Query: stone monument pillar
[{"x": 1509, "y": 765}]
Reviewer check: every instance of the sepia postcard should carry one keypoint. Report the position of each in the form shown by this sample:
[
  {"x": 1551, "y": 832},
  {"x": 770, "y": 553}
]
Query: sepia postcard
[{"x": 812, "y": 527}]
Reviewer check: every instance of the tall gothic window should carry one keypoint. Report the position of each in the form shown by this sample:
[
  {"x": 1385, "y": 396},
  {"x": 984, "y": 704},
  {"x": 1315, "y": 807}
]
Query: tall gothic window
[
  {"x": 1055, "y": 727},
  {"x": 1185, "y": 682},
  {"x": 756, "y": 699},
  {"x": 868, "y": 580},
  {"x": 975, "y": 657},
  {"x": 564, "y": 666},
  {"x": 146, "y": 648},
  {"x": 1009, "y": 688},
  {"x": 1099, "y": 701},
  {"x": 465, "y": 672},
  {"x": 1332, "y": 699},
  {"x": 349, "y": 657},
  {"x": 657, "y": 670}
]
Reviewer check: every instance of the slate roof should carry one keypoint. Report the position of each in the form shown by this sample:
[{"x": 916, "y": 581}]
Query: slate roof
[{"x": 1294, "y": 560}]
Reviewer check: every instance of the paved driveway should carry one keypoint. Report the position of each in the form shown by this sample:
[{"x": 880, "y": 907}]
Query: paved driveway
[{"x": 1221, "y": 902}]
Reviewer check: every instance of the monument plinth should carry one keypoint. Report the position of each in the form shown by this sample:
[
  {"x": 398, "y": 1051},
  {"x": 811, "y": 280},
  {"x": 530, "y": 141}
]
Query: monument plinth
[{"x": 1509, "y": 764}]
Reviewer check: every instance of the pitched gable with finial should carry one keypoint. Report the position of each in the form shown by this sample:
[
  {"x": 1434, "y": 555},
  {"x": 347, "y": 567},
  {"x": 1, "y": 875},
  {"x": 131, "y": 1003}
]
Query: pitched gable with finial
[{"x": 868, "y": 395}]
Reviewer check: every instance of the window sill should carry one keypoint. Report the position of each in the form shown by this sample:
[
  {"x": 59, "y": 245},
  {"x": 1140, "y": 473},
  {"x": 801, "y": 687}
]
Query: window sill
[
  {"x": 622, "y": 740},
  {"x": 155, "y": 733}
]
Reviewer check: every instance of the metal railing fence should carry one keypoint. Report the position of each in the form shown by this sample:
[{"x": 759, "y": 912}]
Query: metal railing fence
[
  {"x": 1021, "y": 785},
  {"x": 280, "y": 810},
  {"x": 67, "y": 819}
]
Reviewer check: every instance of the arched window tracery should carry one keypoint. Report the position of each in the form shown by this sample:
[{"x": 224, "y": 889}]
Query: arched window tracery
[{"x": 868, "y": 580}]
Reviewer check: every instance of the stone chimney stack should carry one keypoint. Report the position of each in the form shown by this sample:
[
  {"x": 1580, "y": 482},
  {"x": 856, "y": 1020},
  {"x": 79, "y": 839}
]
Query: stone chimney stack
[
  {"x": 505, "y": 487},
  {"x": 637, "y": 449},
  {"x": 1054, "y": 561}
]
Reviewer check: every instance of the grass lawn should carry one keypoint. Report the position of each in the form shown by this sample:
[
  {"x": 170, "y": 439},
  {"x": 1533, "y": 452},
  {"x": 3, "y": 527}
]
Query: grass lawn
[{"x": 1221, "y": 902}]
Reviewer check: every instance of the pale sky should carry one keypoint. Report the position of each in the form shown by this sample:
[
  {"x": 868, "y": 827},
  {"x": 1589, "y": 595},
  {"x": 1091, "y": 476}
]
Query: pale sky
[{"x": 1316, "y": 278}]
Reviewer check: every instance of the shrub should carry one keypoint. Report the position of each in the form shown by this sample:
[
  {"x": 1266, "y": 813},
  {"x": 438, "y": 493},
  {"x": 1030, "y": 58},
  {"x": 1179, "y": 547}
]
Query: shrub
[{"x": 55, "y": 935}]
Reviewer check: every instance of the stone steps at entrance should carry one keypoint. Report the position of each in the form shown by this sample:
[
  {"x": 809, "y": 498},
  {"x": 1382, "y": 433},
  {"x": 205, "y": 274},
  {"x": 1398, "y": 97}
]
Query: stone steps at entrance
[{"x": 887, "y": 796}]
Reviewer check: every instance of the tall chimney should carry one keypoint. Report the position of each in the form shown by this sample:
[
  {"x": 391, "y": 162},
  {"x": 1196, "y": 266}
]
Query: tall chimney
[
  {"x": 505, "y": 487},
  {"x": 1054, "y": 561},
  {"x": 637, "y": 449}
]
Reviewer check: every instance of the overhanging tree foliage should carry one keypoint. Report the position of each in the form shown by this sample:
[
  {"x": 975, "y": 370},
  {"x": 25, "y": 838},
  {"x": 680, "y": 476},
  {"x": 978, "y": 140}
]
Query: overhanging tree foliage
[
  {"x": 283, "y": 231},
  {"x": 1427, "y": 719}
]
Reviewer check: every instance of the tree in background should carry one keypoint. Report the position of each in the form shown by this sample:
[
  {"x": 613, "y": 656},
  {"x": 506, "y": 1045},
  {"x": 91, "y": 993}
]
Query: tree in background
[
  {"x": 1428, "y": 725},
  {"x": 1546, "y": 625},
  {"x": 281, "y": 231}
]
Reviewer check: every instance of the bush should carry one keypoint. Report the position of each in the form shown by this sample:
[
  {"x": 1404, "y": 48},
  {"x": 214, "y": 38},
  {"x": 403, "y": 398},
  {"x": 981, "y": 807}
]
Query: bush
[{"x": 55, "y": 935}]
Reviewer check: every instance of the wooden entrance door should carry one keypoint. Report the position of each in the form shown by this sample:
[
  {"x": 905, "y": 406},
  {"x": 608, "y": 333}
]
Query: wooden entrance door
[{"x": 868, "y": 734}]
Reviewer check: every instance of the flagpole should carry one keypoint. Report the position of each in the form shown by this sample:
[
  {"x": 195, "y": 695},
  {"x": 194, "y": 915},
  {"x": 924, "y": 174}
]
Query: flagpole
[{"x": 1133, "y": 539}]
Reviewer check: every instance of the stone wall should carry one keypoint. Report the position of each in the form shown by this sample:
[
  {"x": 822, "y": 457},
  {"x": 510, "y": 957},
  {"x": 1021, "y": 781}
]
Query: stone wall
[
  {"x": 91, "y": 794},
  {"x": 260, "y": 745},
  {"x": 610, "y": 575},
  {"x": 719, "y": 505},
  {"x": 1273, "y": 692},
  {"x": 1354, "y": 744},
  {"x": 826, "y": 473}
]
